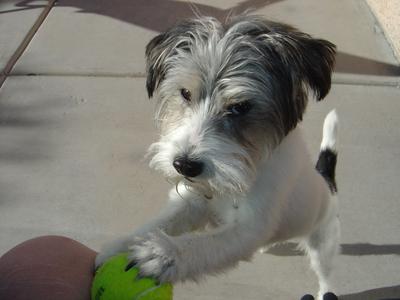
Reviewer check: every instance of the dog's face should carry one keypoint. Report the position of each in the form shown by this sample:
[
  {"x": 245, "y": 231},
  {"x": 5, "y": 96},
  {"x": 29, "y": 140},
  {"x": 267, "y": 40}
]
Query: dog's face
[{"x": 228, "y": 94}]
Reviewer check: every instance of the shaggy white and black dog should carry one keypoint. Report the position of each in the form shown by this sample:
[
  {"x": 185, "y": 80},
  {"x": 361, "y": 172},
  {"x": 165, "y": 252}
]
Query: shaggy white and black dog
[{"x": 229, "y": 98}]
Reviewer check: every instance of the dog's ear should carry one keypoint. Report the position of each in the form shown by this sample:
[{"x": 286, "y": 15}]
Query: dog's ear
[
  {"x": 162, "y": 47},
  {"x": 312, "y": 60},
  {"x": 310, "y": 63},
  {"x": 154, "y": 50},
  {"x": 300, "y": 62}
]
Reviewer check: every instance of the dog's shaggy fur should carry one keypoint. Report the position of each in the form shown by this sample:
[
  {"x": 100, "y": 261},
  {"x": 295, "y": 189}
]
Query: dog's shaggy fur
[{"x": 229, "y": 98}]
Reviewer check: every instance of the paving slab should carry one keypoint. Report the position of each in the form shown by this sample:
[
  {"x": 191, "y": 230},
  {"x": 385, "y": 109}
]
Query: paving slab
[
  {"x": 108, "y": 38},
  {"x": 67, "y": 144},
  {"x": 101, "y": 37},
  {"x": 71, "y": 163},
  {"x": 15, "y": 22}
]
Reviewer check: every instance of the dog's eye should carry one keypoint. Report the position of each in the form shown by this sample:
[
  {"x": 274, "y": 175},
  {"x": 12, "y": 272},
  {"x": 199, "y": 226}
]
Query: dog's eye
[
  {"x": 186, "y": 94},
  {"x": 239, "y": 109}
]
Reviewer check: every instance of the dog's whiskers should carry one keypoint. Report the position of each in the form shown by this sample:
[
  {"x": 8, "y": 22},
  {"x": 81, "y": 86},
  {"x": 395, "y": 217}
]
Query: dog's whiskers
[{"x": 177, "y": 190}]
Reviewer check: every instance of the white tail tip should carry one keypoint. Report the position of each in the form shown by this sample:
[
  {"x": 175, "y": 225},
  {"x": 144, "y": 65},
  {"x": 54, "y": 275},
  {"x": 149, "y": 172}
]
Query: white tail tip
[{"x": 329, "y": 132}]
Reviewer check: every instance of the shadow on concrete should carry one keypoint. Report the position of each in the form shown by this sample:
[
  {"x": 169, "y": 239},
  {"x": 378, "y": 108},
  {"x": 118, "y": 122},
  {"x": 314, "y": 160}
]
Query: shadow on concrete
[
  {"x": 384, "y": 293},
  {"x": 26, "y": 6},
  {"x": 158, "y": 15},
  {"x": 24, "y": 124},
  {"x": 19, "y": 114},
  {"x": 22, "y": 141},
  {"x": 23, "y": 151},
  {"x": 349, "y": 63},
  {"x": 359, "y": 249}
]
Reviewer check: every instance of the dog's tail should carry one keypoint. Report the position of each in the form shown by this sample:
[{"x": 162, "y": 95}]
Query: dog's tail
[{"x": 326, "y": 163}]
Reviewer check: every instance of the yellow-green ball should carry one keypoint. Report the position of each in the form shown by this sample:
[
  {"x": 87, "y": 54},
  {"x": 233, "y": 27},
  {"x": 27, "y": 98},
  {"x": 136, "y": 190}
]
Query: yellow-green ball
[{"x": 112, "y": 282}]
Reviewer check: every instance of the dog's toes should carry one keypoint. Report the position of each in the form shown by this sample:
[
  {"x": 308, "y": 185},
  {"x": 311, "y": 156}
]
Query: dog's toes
[
  {"x": 131, "y": 265},
  {"x": 330, "y": 296},
  {"x": 95, "y": 269},
  {"x": 307, "y": 297}
]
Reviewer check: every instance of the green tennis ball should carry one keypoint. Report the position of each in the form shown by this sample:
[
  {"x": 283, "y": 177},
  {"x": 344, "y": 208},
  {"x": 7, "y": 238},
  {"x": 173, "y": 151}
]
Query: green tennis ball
[{"x": 112, "y": 282}]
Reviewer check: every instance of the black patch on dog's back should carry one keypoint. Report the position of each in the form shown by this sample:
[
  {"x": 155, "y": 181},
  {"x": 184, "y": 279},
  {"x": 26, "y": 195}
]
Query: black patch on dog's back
[{"x": 326, "y": 166}]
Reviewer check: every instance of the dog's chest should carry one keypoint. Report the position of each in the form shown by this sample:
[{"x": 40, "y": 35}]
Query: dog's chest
[{"x": 227, "y": 210}]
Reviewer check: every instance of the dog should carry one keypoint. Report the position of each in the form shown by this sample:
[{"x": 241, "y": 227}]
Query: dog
[{"x": 229, "y": 97}]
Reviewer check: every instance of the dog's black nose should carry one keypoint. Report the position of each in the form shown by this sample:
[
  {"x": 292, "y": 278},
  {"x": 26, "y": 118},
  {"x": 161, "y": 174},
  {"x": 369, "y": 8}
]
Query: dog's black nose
[{"x": 188, "y": 167}]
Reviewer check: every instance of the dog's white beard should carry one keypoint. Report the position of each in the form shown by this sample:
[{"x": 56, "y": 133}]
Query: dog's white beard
[{"x": 228, "y": 167}]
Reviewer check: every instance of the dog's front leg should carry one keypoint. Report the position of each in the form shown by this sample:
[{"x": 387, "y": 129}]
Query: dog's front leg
[
  {"x": 185, "y": 212},
  {"x": 192, "y": 255}
]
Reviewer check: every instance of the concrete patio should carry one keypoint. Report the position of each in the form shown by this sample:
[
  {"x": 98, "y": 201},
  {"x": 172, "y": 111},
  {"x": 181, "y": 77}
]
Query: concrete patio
[{"x": 75, "y": 124}]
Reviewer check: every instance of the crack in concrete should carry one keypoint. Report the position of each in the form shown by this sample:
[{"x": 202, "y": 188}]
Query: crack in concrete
[
  {"x": 25, "y": 42},
  {"x": 344, "y": 79}
]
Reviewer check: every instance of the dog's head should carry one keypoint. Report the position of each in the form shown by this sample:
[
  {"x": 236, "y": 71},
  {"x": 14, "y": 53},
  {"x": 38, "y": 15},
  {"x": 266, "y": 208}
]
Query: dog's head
[{"x": 227, "y": 94}]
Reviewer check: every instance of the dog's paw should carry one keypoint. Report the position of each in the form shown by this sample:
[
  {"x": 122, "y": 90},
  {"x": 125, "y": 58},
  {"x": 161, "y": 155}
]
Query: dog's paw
[
  {"x": 330, "y": 296},
  {"x": 156, "y": 256}
]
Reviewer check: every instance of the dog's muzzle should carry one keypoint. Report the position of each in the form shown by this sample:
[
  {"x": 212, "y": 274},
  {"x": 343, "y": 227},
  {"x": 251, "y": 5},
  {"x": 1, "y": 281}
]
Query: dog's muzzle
[{"x": 188, "y": 167}]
